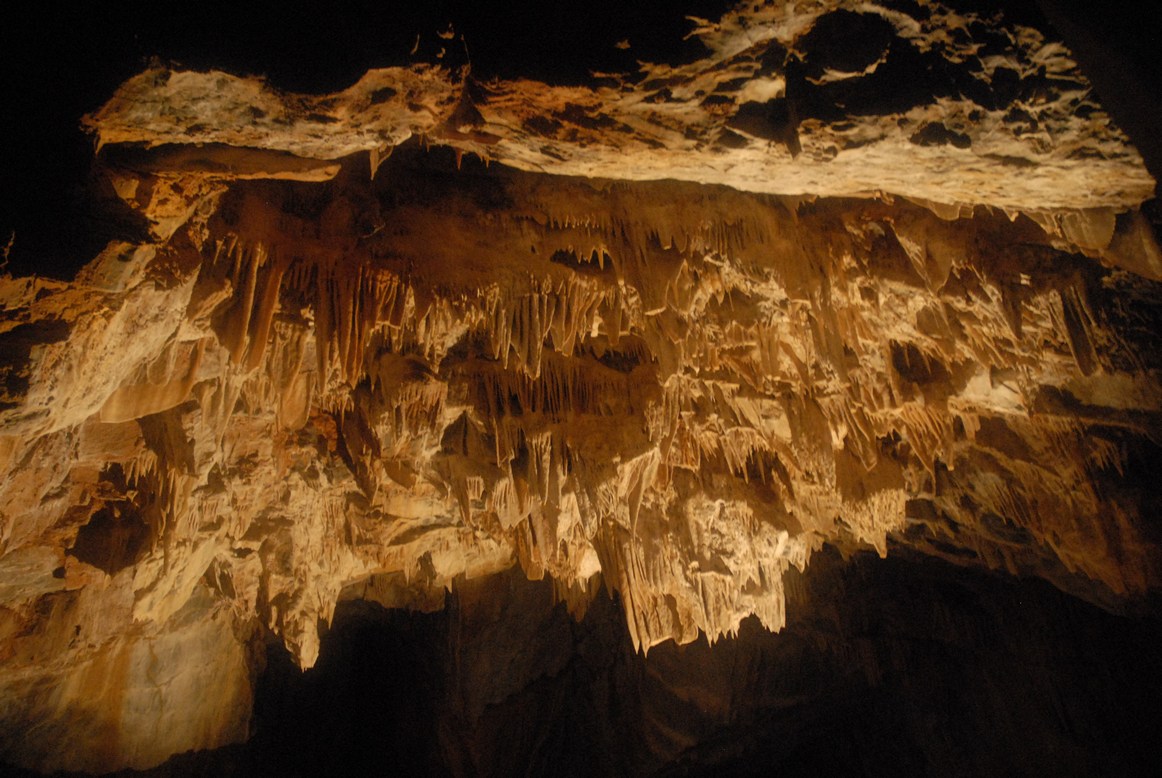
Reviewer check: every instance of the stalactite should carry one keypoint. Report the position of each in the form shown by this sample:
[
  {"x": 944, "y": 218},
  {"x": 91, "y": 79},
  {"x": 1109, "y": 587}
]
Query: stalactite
[{"x": 668, "y": 390}]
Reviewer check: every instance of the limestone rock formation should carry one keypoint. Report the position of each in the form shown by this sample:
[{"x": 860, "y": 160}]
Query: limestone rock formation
[{"x": 865, "y": 275}]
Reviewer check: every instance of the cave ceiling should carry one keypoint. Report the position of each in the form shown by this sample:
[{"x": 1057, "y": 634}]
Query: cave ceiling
[{"x": 871, "y": 275}]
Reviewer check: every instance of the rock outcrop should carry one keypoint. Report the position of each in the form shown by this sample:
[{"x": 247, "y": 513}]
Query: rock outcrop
[{"x": 857, "y": 276}]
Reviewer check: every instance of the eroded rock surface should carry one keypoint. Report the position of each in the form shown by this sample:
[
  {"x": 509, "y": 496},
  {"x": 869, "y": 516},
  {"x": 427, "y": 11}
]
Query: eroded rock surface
[
  {"x": 827, "y": 98},
  {"x": 334, "y": 372}
]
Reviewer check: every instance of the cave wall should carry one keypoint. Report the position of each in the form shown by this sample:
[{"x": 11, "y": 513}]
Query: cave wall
[{"x": 669, "y": 334}]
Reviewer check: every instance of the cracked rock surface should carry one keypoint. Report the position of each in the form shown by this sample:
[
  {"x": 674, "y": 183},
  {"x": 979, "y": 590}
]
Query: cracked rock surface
[{"x": 858, "y": 276}]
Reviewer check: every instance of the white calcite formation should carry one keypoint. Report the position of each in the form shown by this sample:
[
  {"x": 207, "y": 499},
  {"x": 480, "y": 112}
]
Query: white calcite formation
[{"x": 688, "y": 326}]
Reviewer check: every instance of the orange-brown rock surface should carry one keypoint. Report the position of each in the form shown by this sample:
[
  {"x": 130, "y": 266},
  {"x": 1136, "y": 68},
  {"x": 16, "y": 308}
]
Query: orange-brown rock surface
[{"x": 854, "y": 277}]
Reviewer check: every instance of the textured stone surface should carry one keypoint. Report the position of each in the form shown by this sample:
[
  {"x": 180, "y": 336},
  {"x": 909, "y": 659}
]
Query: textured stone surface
[
  {"x": 895, "y": 291},
  {"x": 827, "y": 98}
]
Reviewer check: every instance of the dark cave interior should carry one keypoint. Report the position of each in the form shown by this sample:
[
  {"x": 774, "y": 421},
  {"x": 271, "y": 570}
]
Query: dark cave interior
[{"x": 897, "y": 666}]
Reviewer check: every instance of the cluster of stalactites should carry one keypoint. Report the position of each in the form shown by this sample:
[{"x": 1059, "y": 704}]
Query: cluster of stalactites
[{"x": 687, "y": 399}]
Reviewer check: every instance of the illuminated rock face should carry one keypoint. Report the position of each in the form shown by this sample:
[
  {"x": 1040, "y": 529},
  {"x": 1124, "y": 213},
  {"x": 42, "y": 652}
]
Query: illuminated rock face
[{"x": 857, "y": 314}]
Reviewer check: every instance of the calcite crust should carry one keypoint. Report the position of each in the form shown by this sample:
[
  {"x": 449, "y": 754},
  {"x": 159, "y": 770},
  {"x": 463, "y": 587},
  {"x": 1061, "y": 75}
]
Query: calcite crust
[{"x": 685, "y": 328}]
